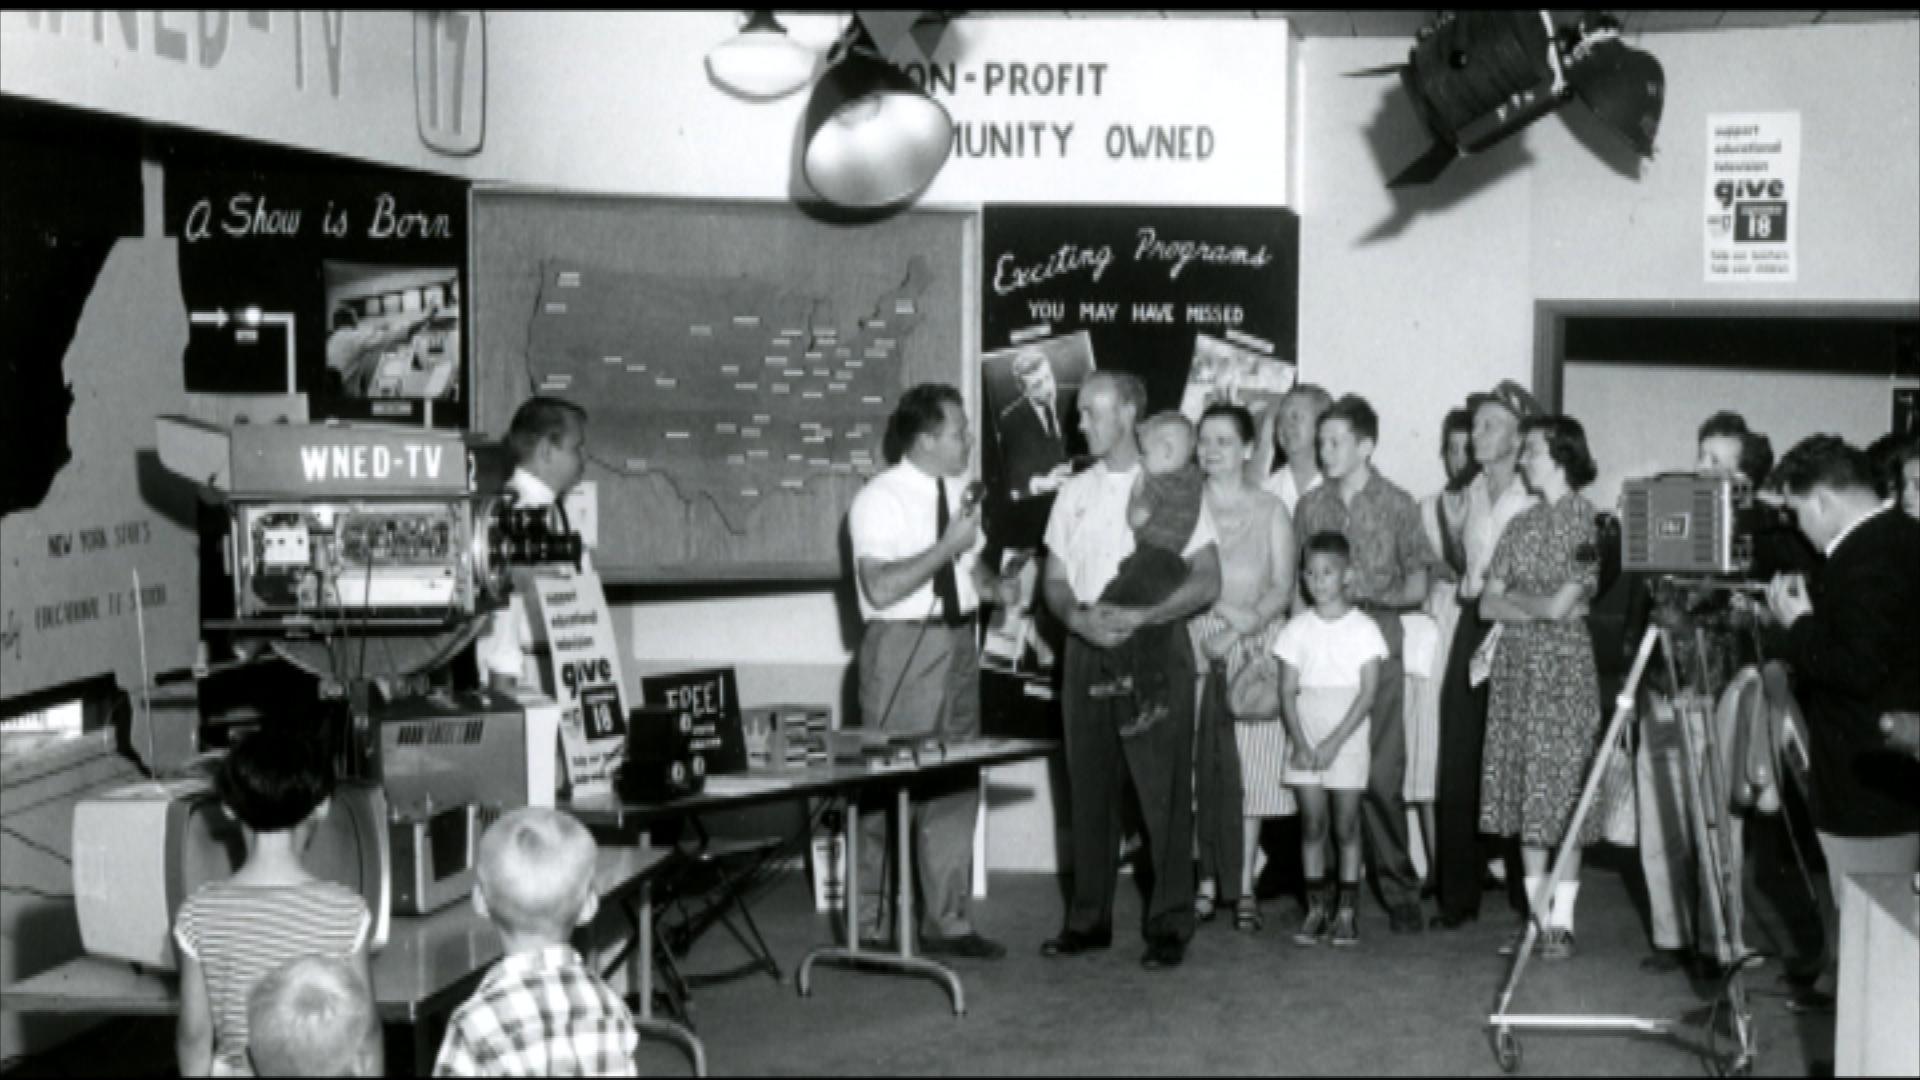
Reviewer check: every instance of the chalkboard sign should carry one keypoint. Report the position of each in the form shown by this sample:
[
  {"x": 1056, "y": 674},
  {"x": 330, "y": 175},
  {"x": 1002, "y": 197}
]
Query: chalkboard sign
[
  {"x": 1169, "y": 294},
  {"x": 712, "y": 699},
  {"x": 313, "y": 274}
]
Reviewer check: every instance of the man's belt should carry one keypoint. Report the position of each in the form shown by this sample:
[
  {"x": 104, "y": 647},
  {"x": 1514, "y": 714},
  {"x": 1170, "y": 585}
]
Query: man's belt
[
  {"x": 965, "y": 618},
  {"x": 1371, "y": 608}
]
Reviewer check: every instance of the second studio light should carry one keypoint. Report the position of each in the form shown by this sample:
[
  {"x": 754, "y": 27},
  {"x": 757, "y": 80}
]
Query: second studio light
[
  {"x": 762, "y": 62},
  {"x": 873, "y": 137}
]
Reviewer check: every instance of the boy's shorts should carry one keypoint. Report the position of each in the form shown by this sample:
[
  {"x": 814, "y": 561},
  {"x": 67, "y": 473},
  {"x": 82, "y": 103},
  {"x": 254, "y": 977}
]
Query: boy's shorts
[{"x": 1321, "y": 710}]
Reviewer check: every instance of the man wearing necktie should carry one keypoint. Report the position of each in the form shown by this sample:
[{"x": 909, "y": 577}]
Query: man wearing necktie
[
  {"x": 1029, "y": 427},
  {"x": 916, "y": 557}
]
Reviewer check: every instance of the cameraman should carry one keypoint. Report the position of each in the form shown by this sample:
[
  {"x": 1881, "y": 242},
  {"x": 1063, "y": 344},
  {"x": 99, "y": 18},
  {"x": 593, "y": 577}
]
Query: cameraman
[
  {"x": 1853, "y": 642},
  {"x": 1711, "y": 635}
]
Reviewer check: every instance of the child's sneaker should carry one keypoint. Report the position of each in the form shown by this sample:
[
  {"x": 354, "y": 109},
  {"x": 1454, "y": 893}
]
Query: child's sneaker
[
  {"x": 1317, "y": 923},
  {"x": 1346, "y": 927},
  {"x": 1557, "y": 944}
]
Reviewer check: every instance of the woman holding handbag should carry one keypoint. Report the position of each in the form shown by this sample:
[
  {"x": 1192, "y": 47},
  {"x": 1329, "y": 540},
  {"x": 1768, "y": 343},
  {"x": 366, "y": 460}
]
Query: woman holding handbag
[
  {"x": 1543, "y": 718},
  {"x": 1241, "y": 753}
]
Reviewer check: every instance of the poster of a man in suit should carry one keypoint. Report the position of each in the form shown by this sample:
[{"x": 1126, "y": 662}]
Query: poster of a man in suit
[{"x": 1032, "y": 393}]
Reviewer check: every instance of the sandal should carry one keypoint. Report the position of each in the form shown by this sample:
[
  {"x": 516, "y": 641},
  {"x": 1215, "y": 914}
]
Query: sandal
[
  {"x": 1246, "y": 915},
  {"x": 1203, "y": 902}
]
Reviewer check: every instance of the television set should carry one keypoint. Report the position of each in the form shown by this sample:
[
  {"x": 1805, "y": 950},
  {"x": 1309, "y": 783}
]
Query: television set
[{"x": 139, "y": 851}]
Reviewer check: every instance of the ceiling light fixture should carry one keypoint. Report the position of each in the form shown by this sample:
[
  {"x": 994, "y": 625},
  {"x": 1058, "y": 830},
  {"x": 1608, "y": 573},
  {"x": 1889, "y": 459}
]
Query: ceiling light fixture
[{"x": 762, "y": 61}]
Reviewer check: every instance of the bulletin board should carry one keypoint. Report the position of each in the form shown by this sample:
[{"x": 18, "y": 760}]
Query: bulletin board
[
  {"x": 738, "y": 362},
  {"x": 1160, "y": 292}
]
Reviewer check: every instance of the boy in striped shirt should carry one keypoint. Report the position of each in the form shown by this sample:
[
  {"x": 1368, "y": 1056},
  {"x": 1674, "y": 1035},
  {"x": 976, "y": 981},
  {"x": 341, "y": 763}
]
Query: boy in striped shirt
[{"x": 541, "y": 1011}]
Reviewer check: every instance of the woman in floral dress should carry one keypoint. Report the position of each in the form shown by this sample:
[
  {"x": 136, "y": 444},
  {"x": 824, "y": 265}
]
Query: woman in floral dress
[{"x": 1543, "y": 719}]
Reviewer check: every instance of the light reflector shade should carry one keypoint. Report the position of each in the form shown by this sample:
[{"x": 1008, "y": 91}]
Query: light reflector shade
[
  {"x": 1626, "y": 88},
  {"x": 873, "y": 138},
  {"x": 761, "y": 62}
]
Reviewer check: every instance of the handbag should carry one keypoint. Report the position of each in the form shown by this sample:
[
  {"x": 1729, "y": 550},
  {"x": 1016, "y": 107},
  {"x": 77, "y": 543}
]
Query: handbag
[
  {"x": 1253, "y": 697},
  {"x": 1620, "y": 800}
]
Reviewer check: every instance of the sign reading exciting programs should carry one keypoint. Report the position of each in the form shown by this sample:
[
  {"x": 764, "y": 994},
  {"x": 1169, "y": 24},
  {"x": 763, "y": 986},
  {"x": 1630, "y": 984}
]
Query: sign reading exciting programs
[{"x": 1753, "y": 184}]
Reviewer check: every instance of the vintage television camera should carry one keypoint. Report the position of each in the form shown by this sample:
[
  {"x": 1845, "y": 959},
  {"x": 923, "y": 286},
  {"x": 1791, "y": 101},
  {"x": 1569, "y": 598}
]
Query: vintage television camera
[
  {"x": 1691, "y": 523},
  {"x": 369, "y": 526}
]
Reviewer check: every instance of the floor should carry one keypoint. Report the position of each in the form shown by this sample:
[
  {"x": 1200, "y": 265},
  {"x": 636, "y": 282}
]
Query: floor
[{"x": 1242, "y": 1003}]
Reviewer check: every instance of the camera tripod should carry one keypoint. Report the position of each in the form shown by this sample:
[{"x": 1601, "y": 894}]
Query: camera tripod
[{"x": 1704, "y": 794}]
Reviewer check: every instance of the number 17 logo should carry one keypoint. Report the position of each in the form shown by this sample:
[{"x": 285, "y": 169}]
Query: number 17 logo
[{"x": 450, "y": 79}]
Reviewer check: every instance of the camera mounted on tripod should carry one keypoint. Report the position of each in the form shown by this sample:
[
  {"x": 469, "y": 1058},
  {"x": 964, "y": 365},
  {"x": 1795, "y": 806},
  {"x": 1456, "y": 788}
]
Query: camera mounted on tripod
[{"x": 1697, "y": 529}]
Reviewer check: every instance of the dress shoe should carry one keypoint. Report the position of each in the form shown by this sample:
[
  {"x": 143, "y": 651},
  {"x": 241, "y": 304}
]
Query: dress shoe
[
  {"x": 969, "y": 946},
  {"x": 1810, "y": 1002},
  {"x": 1075, "y": 942},
  {"x": 1665, "y": 962},
  {"x": 1164, "y": 953},
  {"x": 1406, "y": 919},
  {"x": 1451, "y": 920}
]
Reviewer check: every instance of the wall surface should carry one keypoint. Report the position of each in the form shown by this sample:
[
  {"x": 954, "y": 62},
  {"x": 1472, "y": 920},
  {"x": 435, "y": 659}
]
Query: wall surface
[
  {"x": 1124, "y": 111},
  {"x": 343, "y": 82},
  {"x": 1667, "y": 405},
  {"x": 1414, "y": 298},
  {"x": 1596, "y": 234}
]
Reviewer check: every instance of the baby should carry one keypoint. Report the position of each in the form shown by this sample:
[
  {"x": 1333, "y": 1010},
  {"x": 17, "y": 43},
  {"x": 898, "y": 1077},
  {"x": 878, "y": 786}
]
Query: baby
[
  {"x": 1162, "y": 512},
  {"x": 312, "y": 1016}
]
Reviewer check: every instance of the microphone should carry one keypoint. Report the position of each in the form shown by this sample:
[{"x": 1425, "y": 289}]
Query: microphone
[{"x": 972, "y": 496}]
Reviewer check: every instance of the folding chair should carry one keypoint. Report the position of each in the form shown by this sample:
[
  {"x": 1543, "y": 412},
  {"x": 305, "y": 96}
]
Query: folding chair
[{"x": 711, "y": 882}]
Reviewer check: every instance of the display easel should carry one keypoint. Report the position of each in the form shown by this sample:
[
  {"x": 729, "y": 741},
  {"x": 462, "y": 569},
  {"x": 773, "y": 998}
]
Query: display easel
[{"x": 1704, "y": 791}]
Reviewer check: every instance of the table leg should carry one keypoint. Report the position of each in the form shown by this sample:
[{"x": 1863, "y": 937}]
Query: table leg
[
  {"x": 903, "y": 959},
  {"x": 425, "y": 1049},
  {"x": 640, "y": 975}
]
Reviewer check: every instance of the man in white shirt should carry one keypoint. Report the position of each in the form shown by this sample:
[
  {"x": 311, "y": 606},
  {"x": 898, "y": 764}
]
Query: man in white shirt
[
  {"x": 916, "y": 557},
  {"x": 1087, "y": 538},
  {"x": 548, "y": 438},
  {"x": 1494, "y": 498}
]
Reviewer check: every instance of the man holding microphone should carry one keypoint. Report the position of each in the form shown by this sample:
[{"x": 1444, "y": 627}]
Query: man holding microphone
[{"x": 916, "y": 554}]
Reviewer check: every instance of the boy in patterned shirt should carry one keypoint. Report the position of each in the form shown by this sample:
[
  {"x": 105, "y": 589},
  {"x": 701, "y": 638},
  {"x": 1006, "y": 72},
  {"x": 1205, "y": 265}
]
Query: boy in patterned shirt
[{"x": 541, "y": 1011}]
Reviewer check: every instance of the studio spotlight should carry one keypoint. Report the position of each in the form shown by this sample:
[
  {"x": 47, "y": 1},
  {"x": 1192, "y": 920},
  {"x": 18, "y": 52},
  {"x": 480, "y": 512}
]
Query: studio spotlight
[
  {"x": 873, "y": 138},
  {"x": 1477, "y": 77}
]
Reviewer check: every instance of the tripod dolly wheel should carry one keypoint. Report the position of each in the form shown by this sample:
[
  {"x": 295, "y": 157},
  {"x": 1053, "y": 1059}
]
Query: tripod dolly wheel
[
  {"x": 1506, "y": 1049},
  {"x": 1742, "y": 1066}
]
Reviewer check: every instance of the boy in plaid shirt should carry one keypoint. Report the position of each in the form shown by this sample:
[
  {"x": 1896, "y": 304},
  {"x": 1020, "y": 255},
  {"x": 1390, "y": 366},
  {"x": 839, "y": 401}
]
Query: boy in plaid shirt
[{"x": 541, "y": 1011}]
